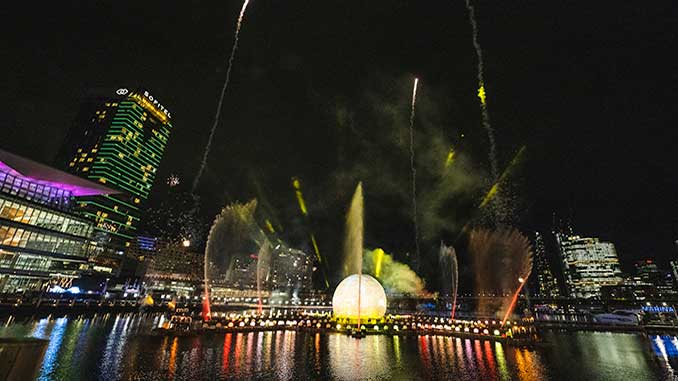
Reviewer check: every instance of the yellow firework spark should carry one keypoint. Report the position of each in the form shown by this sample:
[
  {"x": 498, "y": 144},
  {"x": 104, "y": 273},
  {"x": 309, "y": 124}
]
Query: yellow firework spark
[{"x": 482, "y": 95}]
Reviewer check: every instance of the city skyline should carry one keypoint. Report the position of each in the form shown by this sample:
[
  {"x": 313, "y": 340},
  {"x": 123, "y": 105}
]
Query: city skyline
[
  {"x": 570, "y": 168},
  {"x": 339, "y": 190}
]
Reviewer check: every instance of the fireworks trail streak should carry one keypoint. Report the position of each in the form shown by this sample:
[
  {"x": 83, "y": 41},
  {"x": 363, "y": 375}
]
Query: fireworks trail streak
[
  {"x": 414, "y": 170},
  {"x": 221, "y": 97},
  {"x": 482, "y": 95}
]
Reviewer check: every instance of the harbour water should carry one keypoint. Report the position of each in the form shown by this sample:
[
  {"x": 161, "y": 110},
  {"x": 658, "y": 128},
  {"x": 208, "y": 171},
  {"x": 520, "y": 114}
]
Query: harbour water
[{"x": 120, "y": 347}]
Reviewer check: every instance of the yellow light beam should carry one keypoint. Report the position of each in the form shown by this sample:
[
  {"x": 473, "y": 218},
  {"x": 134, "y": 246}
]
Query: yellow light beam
[
  {"x": 378, "y": 257},
  {"x": 302, "y": 207},
  {"x": 320, "y": 260},
  {"x": 300, "y": 197},
  {"x": 495, "y": 187},
  {"x": 490, "y": 195},
  {"x": 269, "y": 226},
  {"x": 450, "y": 157}
]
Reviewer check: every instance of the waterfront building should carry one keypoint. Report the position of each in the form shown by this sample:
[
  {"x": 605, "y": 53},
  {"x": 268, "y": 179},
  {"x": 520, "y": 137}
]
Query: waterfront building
[
  {"x": 173, "y": 268},
  {"x": 544, "y": 283},
  {"x": 42, "y": 242},
  {"x": 117, "y": 140},
  {"x": 588, "y": 264},
  {"x": 287, "y": 276}
]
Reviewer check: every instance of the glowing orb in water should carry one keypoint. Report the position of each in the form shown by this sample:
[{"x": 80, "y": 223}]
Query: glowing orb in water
[{"x": 372, "y": 298}]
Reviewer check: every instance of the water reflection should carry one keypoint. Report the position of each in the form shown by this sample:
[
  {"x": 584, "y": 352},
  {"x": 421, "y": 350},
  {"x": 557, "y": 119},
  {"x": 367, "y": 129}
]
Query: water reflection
[
  {"x": 666, "y": 349},
  {"x": 52, "y": 353},
  {"x": 352, "y": 359},
  {"x": 118, "y": 347}
]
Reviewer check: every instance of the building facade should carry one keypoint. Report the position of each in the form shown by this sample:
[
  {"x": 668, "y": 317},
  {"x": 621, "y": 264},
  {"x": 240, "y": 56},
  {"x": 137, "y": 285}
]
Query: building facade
[
  {"x": 118, "y": 141},
  {"x": 588, "y": 265},
  {"x": 173, "y": 269},
  {"x": 42, "y": 242},
  {"x": 544, "y": 283}
]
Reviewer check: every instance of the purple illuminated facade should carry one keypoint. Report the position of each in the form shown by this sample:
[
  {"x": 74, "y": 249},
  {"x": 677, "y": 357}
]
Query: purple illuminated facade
[{"x": 42, "y": 244}]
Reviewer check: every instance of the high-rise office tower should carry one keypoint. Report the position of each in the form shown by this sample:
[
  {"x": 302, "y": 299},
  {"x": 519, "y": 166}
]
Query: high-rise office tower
[
  {"x": 544, "y": 281},
  {"x": 117, "y": 140},
  {"x": 588, "y": 264}
]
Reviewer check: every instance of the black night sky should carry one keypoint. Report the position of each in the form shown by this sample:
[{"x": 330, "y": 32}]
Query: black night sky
[{"x": 321, "y": 90}]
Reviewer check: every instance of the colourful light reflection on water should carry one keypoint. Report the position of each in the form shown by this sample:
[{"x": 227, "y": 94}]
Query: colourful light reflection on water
[
  {"x": 666, "y": 350},
  {"x": 52, "y": 353},
  {"x": 226, "y": 352},
  {"x": 501, "y": 361},
  {"x": 113, "y": 347}
]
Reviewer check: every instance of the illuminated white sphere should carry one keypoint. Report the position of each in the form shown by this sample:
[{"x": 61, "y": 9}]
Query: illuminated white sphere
[{"x": 372, "y": 298}]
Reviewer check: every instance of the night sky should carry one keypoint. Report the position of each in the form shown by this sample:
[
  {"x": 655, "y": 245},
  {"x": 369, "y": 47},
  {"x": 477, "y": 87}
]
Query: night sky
[{"x": 321, "y": 90}]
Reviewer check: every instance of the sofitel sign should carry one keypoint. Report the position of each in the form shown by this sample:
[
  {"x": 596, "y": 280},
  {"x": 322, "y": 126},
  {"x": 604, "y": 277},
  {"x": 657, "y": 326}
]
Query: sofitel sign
[
  {"x": 123, "y": 91},
  {"x": 157, "y": 104}
]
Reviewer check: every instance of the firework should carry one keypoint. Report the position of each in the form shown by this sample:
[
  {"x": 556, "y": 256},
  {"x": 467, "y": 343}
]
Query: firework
[
  {"x": 482, "y": 94},
  {"x": 173, "y": 180},
  {"x": 414, "y": 171},
  {"x": 221, "y": 97}
]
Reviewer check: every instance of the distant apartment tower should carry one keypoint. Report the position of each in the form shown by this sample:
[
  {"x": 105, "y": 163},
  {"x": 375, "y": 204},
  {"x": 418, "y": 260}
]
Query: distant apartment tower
[
  {"x": 43, "y": 244},
  {"x": 544, "y": 281},
  {"x": 117, "y": 140},
  {"x": 588, "y": 264}
]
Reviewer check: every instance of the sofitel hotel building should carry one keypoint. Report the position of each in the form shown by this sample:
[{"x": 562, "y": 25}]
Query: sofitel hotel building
[{"x": 60, "y": 225}]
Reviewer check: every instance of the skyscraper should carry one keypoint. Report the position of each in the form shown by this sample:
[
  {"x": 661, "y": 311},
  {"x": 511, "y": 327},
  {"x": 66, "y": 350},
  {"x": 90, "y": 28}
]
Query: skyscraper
[
  {"x": 546, "y": 285},
  {"x": 117, "y": 140},
  {"x": 588, "y": 264}
]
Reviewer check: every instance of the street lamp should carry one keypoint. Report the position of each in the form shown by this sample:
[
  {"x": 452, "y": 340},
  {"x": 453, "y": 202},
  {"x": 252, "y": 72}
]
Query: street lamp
[{"x": 186, "y": 243}]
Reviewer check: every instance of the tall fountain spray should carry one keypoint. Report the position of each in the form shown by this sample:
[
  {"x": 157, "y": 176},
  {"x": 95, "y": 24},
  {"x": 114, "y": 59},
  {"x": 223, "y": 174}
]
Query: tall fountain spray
[
  {"x": 358, "y": 295},
  {"x": 502, "y": 262},
  {"x": 353, "y": 244},
  {"x": 353, "y": 240},
  {"x": 448, "y": 261},
  {"x": 234, "y": 235}
]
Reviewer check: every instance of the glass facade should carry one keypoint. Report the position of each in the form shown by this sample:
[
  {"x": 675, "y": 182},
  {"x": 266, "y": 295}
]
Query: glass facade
[
  {"x": 39, "y": 193},
  {"x": 39, "y": 245},
  {"x": 117, "y": 141}
]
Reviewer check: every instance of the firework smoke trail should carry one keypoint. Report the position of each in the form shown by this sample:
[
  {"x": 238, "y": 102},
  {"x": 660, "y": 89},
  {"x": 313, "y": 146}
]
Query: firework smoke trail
[
  {"x": 221, "y": 97},
  {"x": 414, "y": 171},
  {"x": 481, "y": 91}
]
